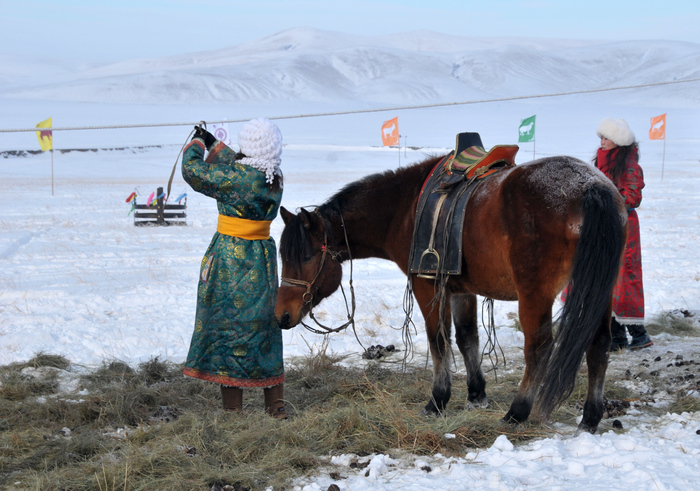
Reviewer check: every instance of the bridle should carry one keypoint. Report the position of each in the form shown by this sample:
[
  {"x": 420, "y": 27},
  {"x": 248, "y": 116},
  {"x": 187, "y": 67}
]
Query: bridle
[{"x": 308, "y": 295}]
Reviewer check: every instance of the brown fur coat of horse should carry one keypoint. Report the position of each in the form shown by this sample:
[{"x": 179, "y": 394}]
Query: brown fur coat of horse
[{"x": 529, "y": 230}]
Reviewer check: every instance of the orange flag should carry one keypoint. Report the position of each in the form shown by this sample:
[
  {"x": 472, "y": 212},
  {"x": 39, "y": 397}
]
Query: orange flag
[
  {"x": 390, "y": 132},
  {"x": 658, "y": 128}
]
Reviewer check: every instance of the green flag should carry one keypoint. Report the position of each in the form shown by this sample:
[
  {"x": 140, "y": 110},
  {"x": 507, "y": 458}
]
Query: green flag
[{"x": 526, "y": 131}]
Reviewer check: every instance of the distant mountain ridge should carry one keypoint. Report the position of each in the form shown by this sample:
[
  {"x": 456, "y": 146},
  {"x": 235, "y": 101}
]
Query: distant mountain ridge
[{"x": 305, "y": 64}]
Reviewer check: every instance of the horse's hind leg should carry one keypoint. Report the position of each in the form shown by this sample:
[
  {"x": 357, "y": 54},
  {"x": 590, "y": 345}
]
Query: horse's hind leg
[
  {"x": 439, "y": 340},
  {"x": 536, "y": 320},
  {"x": 464, "y": 312},
  {"x": 597, "y": 361}
]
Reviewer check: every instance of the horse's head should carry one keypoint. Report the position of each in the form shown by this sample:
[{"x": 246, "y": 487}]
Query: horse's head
[{"x": 311, "y": 269}]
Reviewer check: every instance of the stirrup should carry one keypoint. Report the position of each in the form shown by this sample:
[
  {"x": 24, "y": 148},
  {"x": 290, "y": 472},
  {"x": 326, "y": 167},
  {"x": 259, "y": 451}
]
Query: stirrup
[{"x": 426, "y": 275}]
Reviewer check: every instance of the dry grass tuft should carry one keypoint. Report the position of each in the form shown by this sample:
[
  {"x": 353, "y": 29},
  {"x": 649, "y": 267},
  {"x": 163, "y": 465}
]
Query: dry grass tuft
[
  {"x": 685, "y": 404},
  {"x": 676, "y": 323},
  {"x": 150, "y": 427}
]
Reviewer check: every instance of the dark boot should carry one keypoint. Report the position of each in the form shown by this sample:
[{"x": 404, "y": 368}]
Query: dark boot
[
  {"x": 274, "y": 402},
  {"x": 619, "y": 336},
  {"x": 640, "y": 338},
  {"x": 232, "y": 398}
]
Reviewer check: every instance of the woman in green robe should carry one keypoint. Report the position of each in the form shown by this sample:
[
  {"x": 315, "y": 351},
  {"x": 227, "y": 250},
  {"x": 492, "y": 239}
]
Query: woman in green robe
[{"x": 237, "y": 342}]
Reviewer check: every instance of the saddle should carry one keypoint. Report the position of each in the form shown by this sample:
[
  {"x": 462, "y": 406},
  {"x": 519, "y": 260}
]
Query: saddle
[{"x": 436, "y": 248}]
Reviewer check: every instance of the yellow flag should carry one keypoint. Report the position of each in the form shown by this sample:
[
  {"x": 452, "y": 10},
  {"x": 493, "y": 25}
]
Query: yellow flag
[{"x": 45, "y": 137}]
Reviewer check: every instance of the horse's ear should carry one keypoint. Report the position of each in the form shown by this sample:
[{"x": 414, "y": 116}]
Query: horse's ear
[
  {"x": 285, "y": 214},
  {"x": 305, "y": 218}
]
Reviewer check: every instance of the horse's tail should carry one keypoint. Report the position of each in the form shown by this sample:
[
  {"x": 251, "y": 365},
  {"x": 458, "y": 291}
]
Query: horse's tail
[{"x": 596, "y": 264}]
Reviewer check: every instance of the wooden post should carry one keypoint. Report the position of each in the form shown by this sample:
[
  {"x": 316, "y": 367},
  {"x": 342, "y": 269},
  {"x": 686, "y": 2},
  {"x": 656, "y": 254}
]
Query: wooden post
[{"x": 160, "y": 217}]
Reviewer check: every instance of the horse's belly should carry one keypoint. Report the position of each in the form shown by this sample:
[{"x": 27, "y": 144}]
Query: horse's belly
[
  {"x": 486, "y": 272},
  {"x": 486, "y": 285}
]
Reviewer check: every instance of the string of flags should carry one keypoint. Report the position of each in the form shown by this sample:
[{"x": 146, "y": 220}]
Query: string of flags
[
  {"x": 657, "y": 131},
  {"x": 390, "y": 137},
  {"x": 526, "y": 133},
  {"x": 526, "y": 130}
]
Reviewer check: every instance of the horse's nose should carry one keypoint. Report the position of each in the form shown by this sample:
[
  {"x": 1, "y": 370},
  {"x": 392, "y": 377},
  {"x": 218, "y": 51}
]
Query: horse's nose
[{"x": 284, "y": 321}]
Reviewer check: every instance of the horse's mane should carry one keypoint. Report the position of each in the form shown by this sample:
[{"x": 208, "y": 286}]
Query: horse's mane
[
  {"x": 356, "y": 194},
  {"x": 295, "y": 244}
]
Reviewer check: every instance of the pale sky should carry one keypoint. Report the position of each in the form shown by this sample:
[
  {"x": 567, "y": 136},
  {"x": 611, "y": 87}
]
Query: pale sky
[{"x": 115, "y": 30}]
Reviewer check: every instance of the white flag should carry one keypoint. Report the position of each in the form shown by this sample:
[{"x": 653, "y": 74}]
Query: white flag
[{"x": 220, "y": 132}]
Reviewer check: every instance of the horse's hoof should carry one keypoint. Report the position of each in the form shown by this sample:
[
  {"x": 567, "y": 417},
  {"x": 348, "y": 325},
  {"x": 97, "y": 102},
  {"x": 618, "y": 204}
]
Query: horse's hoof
[
  {"x": 476, "y": 404},
  {"x": 511, "y": 419},
  {"x": 585, "y": 429},
  {"x": 430, "y": 410}
]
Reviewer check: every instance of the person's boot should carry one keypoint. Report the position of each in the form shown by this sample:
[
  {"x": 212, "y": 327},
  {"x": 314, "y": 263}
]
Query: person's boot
[
  {"x": 274, "y": 402},
  {"x": 232, "y": 398},
  {"x": 619, "y": 336},
  {"x": 640, "y": 338}
]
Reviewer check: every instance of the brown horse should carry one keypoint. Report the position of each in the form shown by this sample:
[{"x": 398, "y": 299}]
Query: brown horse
[{"x": 529, "y": 230}]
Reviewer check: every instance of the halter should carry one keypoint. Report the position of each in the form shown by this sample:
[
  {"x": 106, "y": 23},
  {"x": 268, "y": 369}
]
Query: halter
[{"x": 308, "y": 295}]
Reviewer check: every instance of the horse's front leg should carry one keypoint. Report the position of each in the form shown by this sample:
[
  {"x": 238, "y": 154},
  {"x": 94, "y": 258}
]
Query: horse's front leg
[
  {"x": 439, "y": 341},
  {"x": 464, "y": 310},
  {"x": 536, "y": 320},
  {"x": 597, "y": 361}
]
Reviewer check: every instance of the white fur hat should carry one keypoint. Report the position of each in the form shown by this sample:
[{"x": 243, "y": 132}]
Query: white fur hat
[
  {"x": 617, "y": 131},
  {"x": 261, "y": 141}
]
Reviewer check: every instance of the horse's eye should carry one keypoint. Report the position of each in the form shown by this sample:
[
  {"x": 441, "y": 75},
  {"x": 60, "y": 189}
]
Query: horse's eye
[{"x": 307, "y": 258}]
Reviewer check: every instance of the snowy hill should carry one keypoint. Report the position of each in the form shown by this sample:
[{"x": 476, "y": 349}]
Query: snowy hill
[{"x": 305, "y": 64}]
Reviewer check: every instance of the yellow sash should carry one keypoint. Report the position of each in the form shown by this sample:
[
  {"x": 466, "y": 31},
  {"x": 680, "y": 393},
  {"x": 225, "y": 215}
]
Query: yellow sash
[{"x": 245, "y": 229}]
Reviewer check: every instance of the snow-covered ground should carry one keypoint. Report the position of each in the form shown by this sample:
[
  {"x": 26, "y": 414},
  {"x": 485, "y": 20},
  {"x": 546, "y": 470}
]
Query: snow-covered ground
[{"x": 77, "y": 278}]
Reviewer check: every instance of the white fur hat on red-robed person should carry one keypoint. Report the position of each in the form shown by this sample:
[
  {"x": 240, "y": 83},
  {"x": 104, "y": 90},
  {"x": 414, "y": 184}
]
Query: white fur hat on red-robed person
[{"x": 617, "y": 131}]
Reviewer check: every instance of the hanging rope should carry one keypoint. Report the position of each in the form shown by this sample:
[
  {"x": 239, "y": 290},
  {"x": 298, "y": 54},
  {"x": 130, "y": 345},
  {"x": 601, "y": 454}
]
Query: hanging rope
[
  {"x": 362, "y": 111},
  {"x": 491, "y": 346},
  {"x": 177, "y": 159}
]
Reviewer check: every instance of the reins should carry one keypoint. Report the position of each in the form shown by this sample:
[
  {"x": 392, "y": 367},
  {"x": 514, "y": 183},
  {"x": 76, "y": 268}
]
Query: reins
[{"x": 308, "y": 295}]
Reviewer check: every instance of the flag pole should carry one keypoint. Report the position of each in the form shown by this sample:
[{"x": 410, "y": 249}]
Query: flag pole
[
  {"x": 399, "y": 150},
  {"x": 526, "y": 132},
  {"x": 51, "y": 171},
  {"x": 663, "y": 159},
  {"x": 658, "y": 132}
]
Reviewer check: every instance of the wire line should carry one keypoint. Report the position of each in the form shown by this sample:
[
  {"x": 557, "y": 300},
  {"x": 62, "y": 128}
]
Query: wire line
[{"x": 358, "y": 111}]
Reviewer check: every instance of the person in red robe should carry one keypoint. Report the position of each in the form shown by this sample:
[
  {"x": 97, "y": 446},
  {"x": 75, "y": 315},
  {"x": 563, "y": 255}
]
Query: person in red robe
[{"x": 618, "y": 159}]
